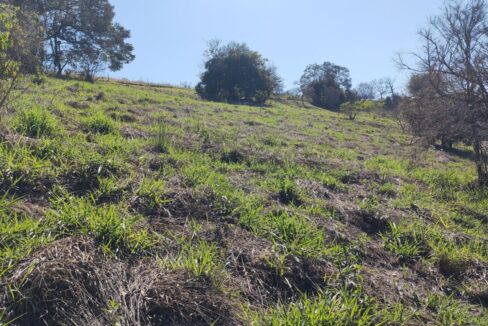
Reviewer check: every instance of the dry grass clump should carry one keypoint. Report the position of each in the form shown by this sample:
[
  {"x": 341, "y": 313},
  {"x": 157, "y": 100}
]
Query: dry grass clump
[{"x": 72, "y": 282}]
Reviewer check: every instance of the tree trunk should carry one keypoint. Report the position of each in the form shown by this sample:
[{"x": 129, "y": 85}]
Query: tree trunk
[
  {"x": 57, "y": 57},
  {"x": 89, "y": 77},
  {"x": 481, "y": 161}
]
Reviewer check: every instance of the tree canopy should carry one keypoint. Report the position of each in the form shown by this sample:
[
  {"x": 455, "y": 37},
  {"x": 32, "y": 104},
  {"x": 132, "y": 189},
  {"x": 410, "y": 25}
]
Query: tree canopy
[
  {"x": 235, "y": 73},
  {"x": 80, "y": 35},
  {"x": 326, "y": 85}
]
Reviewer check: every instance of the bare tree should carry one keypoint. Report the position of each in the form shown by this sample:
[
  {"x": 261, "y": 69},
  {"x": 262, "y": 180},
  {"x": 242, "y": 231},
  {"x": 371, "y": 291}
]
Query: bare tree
[
  {"x": 455, "y": 49},
  {"x": 366, "y": 91},
  {"x": 430, "y": 116},
  {"x": 383, "y": 87}
]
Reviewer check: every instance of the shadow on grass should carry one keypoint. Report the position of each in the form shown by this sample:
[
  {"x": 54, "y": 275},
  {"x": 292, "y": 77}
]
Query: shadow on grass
[{"x": 462, "y": 153}]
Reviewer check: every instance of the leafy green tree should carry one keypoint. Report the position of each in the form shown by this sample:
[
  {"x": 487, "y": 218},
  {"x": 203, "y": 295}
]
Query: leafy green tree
[
  {"x": 9, "y": 69},
  {"x": 234, "y": 73},
  {"x": 80, "y": 35},
  {"x": 326, "y": 85},
  {"x": 26, "y": 46}
]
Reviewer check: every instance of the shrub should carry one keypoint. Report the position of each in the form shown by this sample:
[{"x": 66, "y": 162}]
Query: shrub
[
  {"x": 35, "y": 122},
  {"x": 234, "y": 73},
  {"x": 326, "y": 85},
  {"x": 352, "y": 109}
]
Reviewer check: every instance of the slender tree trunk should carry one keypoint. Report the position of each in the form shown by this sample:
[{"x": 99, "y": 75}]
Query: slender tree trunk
[
  {"x": 57, "y": 57},
  {"x": 481, "y": 161},
  {"x": 89, "y": 76},
  {"x": 7, "y": 91}
]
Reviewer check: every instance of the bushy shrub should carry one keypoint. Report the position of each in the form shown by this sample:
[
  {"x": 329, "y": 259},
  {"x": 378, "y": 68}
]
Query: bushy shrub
[
  {"x": 234, "y": 73},
  {"x": 326, "y": 85},
  {"x": 352, "y": 109}
]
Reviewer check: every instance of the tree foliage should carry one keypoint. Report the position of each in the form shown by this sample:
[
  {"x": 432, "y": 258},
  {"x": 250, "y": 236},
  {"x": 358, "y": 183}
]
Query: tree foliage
[
  {"x": 80, "y": 35},
  {"x": 326, "y": 85},
  {"x": 9, "y": 68},
  {"x": 235, "y": 73},
  {"x": 26, "y": 36}
]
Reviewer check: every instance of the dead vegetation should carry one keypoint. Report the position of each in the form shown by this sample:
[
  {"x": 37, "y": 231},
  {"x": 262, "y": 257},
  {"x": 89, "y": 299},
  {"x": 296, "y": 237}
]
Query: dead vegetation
[{"x": 72, "y": 282}]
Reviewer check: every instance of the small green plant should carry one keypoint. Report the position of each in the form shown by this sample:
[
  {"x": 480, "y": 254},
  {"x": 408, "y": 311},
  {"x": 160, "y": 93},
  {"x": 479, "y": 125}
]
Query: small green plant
[
  {"x": 47, "y": 148},
  {"x": 370, "y": 205},
  {"x": 407, "y": 241},
  {"x": 338, "y": 307},
  {"x": 296, "y": 234},
  {"x": 388, "y": 189},
  {"x": 109, "y": 188},
  {"x": 200, "y": 258},
  {"x": 450, "y": 312},
  {"x": 232, "y": 156},
  {"x": 86, "y": 175},
  {"x": 20, "y": 235},
  {"x": 160, "y": 140},
  {"x": 39, "y": 77},
  {"x": 152, "y": 190},
  {"x": 100, "y": 124},
  {"x": 19, "y": 169},
  {"x": 110, "y": 225},
  {"x": 288, "y": 192},
  {"x": 35, "y": 122},
  {"x": 271, "y": 141}
]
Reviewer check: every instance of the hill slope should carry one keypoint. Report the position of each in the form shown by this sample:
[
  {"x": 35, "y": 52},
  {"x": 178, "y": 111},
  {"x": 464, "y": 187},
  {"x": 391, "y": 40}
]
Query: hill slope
[{"x": 136, "y": 204}]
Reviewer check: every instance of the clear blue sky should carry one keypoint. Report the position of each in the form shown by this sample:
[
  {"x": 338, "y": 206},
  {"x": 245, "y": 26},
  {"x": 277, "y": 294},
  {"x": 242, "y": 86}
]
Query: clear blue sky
[{"x": 363, "y": 35}]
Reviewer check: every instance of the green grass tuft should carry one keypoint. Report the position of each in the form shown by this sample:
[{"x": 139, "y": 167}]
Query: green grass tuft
[
  {"x": 35, "y": 122},
  {"x": 100, "y": 124}
]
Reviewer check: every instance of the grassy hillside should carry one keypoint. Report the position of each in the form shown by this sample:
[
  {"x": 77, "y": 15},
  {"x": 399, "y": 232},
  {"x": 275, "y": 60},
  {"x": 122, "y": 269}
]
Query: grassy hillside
[{"x": 135, "y": 204}]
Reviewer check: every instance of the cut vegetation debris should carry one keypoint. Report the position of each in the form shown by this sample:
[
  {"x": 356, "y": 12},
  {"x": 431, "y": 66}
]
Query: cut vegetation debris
[{"x": 148, "y": 206}]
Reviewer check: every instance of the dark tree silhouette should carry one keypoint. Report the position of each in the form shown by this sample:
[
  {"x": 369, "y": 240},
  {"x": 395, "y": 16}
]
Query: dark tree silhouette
[{"x": 234, "y": 73}]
